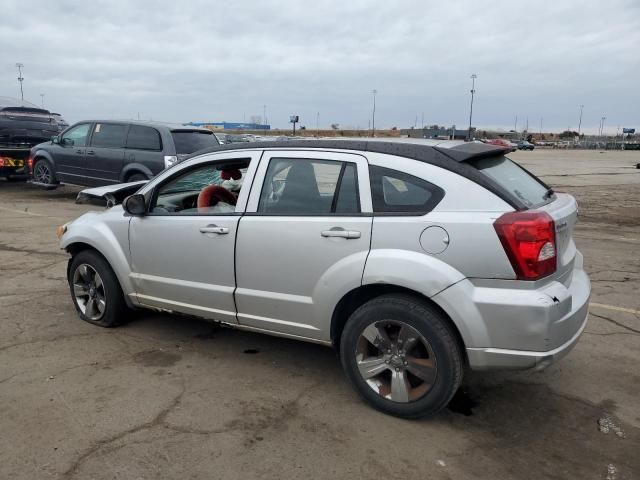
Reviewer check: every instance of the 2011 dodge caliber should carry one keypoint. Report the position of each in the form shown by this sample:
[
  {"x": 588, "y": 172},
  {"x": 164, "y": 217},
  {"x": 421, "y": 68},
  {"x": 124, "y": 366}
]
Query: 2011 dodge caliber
[{"x": 413, "y": 260}]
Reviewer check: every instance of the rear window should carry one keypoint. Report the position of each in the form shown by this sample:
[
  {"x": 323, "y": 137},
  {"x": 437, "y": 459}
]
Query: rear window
[
  {"x": 513, "y": 178},
  {"x": 192, "y": 141}
]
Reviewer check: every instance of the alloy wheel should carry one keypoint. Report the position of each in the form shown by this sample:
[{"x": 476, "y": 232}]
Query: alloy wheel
[
  {"x": 88, "y": 292},
  {"x": 396, "y": 361},
  {"x": 42, "y": 173}
]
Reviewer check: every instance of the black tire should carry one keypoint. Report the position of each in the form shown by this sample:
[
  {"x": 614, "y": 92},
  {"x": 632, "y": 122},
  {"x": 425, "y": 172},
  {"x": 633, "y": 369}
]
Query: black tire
[
  {"x": 137, "y": 177},
  {"x": 434, "y": 328},
  {"x": 43, "y": 172},
  {"x": 115, "y": 311}
]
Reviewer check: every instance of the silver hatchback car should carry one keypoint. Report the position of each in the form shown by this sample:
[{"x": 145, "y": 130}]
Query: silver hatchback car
[{"x": 414, "y": 260}]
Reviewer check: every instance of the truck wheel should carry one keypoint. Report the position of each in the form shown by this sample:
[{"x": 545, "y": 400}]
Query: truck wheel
[
  {"x": 402, "y": 356},
  {"x": 95, "y": 290},
  {"x": 43, "y": 173}
]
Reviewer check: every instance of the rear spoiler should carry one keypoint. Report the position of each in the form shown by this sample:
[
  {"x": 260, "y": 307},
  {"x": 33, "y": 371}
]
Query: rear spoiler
[
  {"x": 472, "y": 151},
  {"x": 110, "y": 195}
]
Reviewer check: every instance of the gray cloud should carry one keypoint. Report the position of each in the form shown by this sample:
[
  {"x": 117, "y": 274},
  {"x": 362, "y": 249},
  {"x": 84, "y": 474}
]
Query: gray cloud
[{"x": 204, "y": 60}]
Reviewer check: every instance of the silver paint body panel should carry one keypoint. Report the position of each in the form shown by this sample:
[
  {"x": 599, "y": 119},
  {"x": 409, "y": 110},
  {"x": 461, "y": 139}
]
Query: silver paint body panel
[{"x": 280, "y": 275}]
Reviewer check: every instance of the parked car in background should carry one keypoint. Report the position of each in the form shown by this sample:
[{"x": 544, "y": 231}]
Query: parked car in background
[
  {"x": 414, "y": 260},
  {"x": 62, "y": 123},
  {"x": 21, "y": 127},
  {"x": 103, "y": 152},
  {"x": 524, "y": 145},
  {"x": 501, "y": 142}
]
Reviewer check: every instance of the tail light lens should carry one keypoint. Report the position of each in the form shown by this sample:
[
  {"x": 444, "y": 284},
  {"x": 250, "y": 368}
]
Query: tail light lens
[
  {"x": 529, "y": 240},
  {"x": 30, "y": 163},
  {"x": 1, "y": 162}
]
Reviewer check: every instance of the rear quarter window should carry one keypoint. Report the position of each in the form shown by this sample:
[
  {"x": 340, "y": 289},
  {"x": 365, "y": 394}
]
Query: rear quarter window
[
  {"x": 398, "y": 193},
  {"x": 530, "y": 190},
  {"x": 191, "y": 141}
]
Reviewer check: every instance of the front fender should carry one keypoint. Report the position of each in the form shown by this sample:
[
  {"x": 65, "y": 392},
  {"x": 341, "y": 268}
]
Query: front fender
[{"x": 109, "y": 237}]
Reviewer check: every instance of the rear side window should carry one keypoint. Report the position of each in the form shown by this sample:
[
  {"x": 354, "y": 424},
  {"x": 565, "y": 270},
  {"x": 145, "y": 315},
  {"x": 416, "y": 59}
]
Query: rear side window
[
  {"x": 143, "y": 138},
  {"x": 513, "y": 178},
  {"x": 309, "y": 187},
  {"x": 395, "y": 192},
  {"x": 191, "y": 141},
  {"x": 109, "y": 135}
]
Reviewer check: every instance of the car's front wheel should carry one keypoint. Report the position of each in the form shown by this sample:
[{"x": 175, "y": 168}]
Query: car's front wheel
[
  {"x": 95, "y": 290},
  {"x": 402, "y": 356},
  {"x": 43, "y": 173}
]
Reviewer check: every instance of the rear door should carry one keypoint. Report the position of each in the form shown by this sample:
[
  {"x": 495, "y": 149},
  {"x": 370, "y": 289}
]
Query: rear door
[
  {"x": 303, "y": 242},
  {"x": 144, "y": 147},
  {"x": 105, "y": 153}
]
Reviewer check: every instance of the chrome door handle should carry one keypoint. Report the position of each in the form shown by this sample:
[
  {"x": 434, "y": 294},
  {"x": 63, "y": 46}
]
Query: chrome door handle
[
  {"x": 79, "y": 151},
  {"x": 341, "y": 233},
  {"x": 90, "y": 152},
  {"x": 214, "y": 229}
]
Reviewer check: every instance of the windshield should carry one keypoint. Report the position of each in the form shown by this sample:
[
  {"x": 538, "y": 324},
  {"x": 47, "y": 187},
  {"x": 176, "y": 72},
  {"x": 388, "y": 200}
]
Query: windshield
[
  {"x": 510, "y": 176},
  {"x": 191, "y": 141}
]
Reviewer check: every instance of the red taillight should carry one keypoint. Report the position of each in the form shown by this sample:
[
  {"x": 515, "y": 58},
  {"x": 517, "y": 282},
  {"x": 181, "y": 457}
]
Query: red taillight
[
  {"x": 1, "y": 162},
  {"x": 30, "y": 163},
  {"x": 529, "y": 239}
]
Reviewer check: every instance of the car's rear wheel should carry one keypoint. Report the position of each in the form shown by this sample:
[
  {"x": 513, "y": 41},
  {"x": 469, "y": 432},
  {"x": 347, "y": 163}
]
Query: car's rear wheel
[
  {"x": 402, "y": 356},
  {"x": 95, "y": 290},
  {"x": 137, "y": 177},
  {"x": 43, "y": 172}
]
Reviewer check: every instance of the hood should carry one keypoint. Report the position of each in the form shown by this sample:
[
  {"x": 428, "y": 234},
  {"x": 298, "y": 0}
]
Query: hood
[{"x": 109, "y": 195}]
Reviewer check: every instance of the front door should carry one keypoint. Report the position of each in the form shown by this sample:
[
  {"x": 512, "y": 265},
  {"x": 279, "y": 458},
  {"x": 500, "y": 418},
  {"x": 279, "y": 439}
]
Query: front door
[
  {"x": 303, "y": 242},
  {"x": 182, "y": 251},
  {"x": 69, "y": 154},
  {"x": 105, "y": 153}
]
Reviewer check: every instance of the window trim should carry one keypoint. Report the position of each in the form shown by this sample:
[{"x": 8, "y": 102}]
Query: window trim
[
  {"x": 153, "y": 197},
  {"x": 376, "y": 173},
  {"x": 343, "y": 163},
  {"x": 126, "y": 125},
  {"x": 144, "y": 149}
]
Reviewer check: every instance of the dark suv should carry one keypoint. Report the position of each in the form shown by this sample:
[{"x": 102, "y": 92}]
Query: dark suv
[{"x": 100, "y": 152}]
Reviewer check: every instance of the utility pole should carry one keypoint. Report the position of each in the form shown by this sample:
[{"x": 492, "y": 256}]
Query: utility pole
[
  {"x": 264, "y": 114},
  {"x": 540, "y": 128},
  {"x": 373, "y": 115},
  {"x": 20, "y": 79},
  {"x": 42, "y": 97},
  {"x": 318, "y": 124},
  {"x": 422, "y": 123},
  {"x": 473, "y": 91},
  {"x": 515, "y": 125},
  {"x": 602, "y": 127},
  {"x": 580, "y": 121}
]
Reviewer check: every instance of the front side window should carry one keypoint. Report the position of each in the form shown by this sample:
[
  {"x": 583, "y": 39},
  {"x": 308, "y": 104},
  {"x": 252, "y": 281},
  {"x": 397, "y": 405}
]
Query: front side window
[
  {"x": 77, "y": 136},
  {"x": 210, "y": 189},
  {"x": 143, "y": 138},
  {"x": 109, "y": 135},
  {"x": 397, "y": 192},
  {"x": 309, "y": 187}
]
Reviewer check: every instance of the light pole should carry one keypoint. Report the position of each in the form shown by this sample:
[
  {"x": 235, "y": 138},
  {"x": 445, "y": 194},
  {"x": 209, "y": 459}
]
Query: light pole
[
  {"x": 473, "y": 91},
  {"x": 580, "y": 121},
  {"x": 318, "y": 124},
  {"x": 20, "y": 79},
  {"x": 373, "y": 115},
  {"x": 42, "y": 97},
  {"x": 602, "y": 127}
]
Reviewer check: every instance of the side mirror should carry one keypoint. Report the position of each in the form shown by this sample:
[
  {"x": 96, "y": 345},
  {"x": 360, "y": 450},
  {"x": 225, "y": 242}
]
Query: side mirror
[
  {"x": 135, "y": 205},
  {"x": 55, "y": 139},
  {"x": 66, "y": 142}
]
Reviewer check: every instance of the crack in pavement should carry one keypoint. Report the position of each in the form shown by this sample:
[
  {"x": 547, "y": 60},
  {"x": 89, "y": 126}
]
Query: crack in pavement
[
  {"x": 8, "y": 248},
  {"x": 158, "y": 419},
  {"x": 615, "y": 322},
  {"x": 46, "y": 340}
]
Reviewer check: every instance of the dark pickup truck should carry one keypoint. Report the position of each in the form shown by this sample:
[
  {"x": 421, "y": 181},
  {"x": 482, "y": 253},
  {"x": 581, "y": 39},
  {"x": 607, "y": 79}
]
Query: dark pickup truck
[{"x": 22, "y": 127}]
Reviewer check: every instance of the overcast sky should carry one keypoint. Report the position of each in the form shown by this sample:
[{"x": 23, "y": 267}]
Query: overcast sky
[{"x": 212, "y": 60}]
